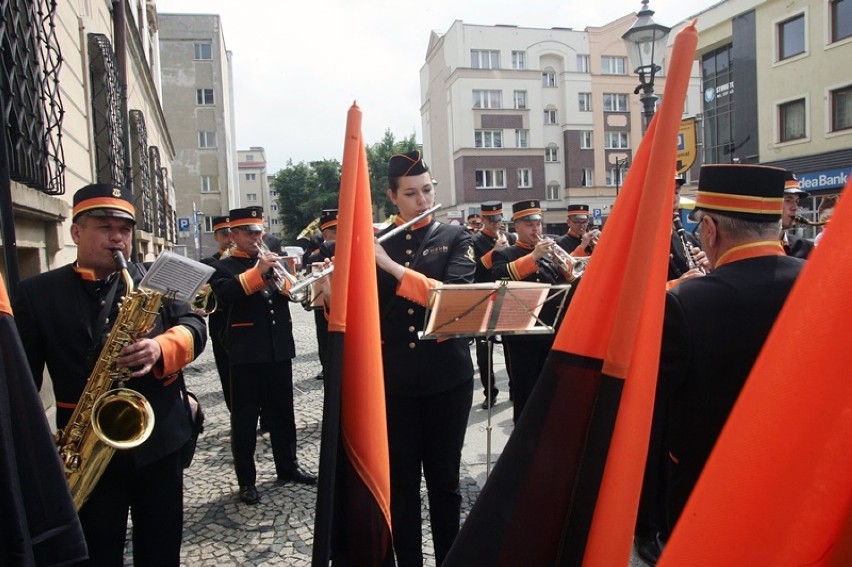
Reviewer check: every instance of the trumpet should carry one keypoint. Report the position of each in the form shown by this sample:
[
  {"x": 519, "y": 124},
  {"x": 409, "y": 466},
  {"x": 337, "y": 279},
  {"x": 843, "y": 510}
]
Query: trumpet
[
  {"x": 279, "y": 277},
  {"x": 594, "y": 242},
  {"x": 205, "y": 300},
  {"x": 306, "y": 282},
  {"x": 570, "y": 266}
]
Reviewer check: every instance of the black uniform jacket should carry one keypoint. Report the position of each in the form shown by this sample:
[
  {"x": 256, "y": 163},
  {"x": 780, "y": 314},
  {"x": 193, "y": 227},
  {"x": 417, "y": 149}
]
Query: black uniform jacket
[
  {"x": 797, "y": 246},
  {"x": 714, "y": 328},
  {"x": 516, "y": 263},
  {"x": 483, "y": 248},
  {"x": 571, "y": 243},
  {"x": 55, "y": 313},
  {"x": 219, "y": 317},
  {"x": 415, "y": 367},
  {"x": 259, "y": 327}
]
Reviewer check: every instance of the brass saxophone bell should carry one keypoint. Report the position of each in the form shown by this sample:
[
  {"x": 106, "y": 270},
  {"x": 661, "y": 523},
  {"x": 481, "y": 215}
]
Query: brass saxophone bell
[{"x": 122, "y": 418}]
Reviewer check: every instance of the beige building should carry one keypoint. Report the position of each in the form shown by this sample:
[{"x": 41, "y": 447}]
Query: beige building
[
  {"x": 85, "y": 109},
  {"x": 199, "y": 105},
  {"x": 255, "y": 189},
  {"x": 511, "y": 113},
  {"x": 776, "y": 88}
]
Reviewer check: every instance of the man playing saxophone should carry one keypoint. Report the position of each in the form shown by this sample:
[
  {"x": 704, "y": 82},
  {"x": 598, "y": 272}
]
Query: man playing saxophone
[
  {"x": 64, "y": 316},
  {"x": 793, "y": 244}
]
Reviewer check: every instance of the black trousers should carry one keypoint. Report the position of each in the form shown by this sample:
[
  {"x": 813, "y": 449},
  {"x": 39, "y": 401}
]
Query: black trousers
[
  {"x": 222, "y": 367},
  {"x": 266, "y": 387},
  {"x": 426, "y": 431},
  {"x": 322, "y": 337},
  {"x": 525, "y": 360},
  {"x": 154, "y": 495},
  {"x": 486, "y": 370}
]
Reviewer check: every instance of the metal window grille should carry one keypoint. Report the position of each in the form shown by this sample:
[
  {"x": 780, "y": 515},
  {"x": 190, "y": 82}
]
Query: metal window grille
[
  {"x": 141, "y": 169},
  {"x": 106, "y": 112},
  {"x": 156, "y": 188}
]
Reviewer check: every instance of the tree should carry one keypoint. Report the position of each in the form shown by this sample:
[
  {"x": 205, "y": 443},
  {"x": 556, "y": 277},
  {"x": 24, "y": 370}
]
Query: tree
[
  {"x": 304, "y": 190},
  {"x": 378, "y": 156}
]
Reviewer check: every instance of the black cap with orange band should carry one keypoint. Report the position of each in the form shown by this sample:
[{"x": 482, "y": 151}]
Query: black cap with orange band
[
  {"x": 749, "y": 192},
  {"x": 104, "y": 200}
]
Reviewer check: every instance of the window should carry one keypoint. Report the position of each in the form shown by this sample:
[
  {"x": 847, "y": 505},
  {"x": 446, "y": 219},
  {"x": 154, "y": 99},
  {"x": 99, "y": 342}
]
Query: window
[
  {"x": 251, "y": 197},
  {"x": 522, "y": 138},
  {"x": 585, "y": 102},
  {"x": 550, "y": 116},
  {"x": 203, "y": 51},
  {"x": 207, "y": 139},
  {"x": 275, "y": 221},
  {"x": 488, "y": 139},
  {"x": 551, "y": 154},
  {"x": 616, "y": 141},
  {"x": 553, "y": 193},
  {"x": 520, "y": 99},
  {"x": 548, "y": 79},
  {"x": 587, "y": 179},
  {"x": 524, "y": 178},
  {"x": 204, "y": 97},
  {"x": 273, "y": 193},
  {"x": 791, "y": 37},
  {"x": 209, "y": 184},
  {"x": 791, "y": 116},
  {"x": 273, "y": 207},
  {"x": 251, "y": 176},
  {"x": 484, "y": 59},
  {"x": 615, "y": 176},
  {"x": 586, "y": 140},
  {"x": 613, "y": 65},
  {"x": 841, "y": 109},
  {"x": 490, "y": 178},
  {"x": 208, "y": 223},
  {"x": 249, "y": 157},
  {"x": 487, "y": 99},
  {"x": 583, "y": 64},
  {"x": 519, "y": 60},
  {"x": 841, "y": 19},
  {"x": 615, "y": 102}
]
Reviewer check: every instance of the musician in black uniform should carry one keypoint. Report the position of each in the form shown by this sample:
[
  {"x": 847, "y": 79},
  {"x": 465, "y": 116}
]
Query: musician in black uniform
[
  {"x": 579, "y": 241},
  {"x": 794, "y": 245},
  {"x": 493, "y": 236},
  {"x": 64, "y": 317},
  {"x": 217, "y": 319},
  {"x": 328, "y": 232},
  {"x": 474, "y": 223},
  {"x": 715, "y": 325},
  {"x": 428, "y": 383},
  {"x": 259, "y": 339},
  {"x": 528, "y": 260}
]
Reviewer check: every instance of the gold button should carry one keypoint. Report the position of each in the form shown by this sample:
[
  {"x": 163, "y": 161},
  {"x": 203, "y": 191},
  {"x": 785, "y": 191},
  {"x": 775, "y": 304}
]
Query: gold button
[
  {"x": 406, "y": 264},
  {"x": 272, "y": 312},
  {"x": 408, "y": 237},
  {"x": 410, "y": 311},
  {"x": 409, "y": 252},
  {"x": 411, "y": 329},
  {"x": 411, "y": 345}
]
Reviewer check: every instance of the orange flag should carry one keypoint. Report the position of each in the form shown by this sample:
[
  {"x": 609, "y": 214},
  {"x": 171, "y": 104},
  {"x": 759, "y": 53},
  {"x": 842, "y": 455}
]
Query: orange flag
[
  {"x": 777, "y": 488},
  {"x": 353, "y": 499},
  {"x": 566, "y": 488}
]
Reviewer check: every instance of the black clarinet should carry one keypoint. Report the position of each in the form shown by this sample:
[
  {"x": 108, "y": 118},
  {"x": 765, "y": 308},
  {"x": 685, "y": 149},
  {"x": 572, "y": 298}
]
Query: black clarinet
[{"x": 687, "y": 249}]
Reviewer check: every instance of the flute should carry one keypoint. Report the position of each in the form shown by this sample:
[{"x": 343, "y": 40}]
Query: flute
[{"x": 315, "y": 277}]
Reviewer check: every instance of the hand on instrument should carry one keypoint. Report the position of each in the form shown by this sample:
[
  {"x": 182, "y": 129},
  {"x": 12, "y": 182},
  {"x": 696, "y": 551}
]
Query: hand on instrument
[
  {"x": 590, "y": 237},
  {"x": 140, "y": 356},
  {"x": 266, "y": 262},
  {"x": 501, "y": 241},
  {"x": 542, "y": 248},
  {"x": 700, "y": 259}
]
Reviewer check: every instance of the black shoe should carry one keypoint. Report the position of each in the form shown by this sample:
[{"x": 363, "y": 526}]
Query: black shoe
[
  {"x": 489, "y": 403},
  {"x": 648, "y": 548},
  {"x": 297, "y": 475},
  {"x": 249, "y": 495}
]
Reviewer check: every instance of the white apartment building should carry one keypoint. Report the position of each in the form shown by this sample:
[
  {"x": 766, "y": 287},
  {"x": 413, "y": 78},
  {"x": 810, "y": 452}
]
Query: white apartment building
[
  {"x": 255, "y": 189},
  {"x": 513, "y": 113}
]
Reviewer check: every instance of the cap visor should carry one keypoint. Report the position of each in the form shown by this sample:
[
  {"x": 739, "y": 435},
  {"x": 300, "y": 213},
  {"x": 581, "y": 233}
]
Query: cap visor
[
  {"x": 115, "y": 213},
  {"x": 529, "y": 218},
  {"x": 493, "y": 218}
]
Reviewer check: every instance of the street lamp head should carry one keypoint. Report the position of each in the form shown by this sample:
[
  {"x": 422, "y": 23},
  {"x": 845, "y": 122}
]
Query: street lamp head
[{"x": 646, "y": 42}]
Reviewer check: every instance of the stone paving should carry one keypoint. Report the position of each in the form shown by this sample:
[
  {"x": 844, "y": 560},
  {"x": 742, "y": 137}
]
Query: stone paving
[{"x": 221, "y": 530}]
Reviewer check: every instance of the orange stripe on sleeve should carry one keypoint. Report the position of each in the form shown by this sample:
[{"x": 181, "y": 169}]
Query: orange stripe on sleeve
[
  {"x": 252, "y": 280},
  {"x": 487, "y": 259},
  {"x": 177, "y": 345},
  {"x": 523, "y": 267},
  {"x": 415, "y": 287}
]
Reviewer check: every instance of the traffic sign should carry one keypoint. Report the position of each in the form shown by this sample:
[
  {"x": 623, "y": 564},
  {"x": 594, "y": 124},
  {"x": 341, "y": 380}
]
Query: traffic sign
[
  {"x": 596, "y": 213},
  {"x": 183, "y": 224}
]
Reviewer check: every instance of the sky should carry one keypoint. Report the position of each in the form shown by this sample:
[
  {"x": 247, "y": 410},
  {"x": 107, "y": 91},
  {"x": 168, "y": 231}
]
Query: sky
[{"x": 299, "y": 65}]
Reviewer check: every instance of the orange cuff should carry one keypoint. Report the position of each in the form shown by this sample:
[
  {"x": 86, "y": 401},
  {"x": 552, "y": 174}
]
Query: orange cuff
[
  {"x": 5, "y": 305},
  {"x": 487, "y": 260},
  {"x": 523, "y": 267},
  {"x": 579, "y": 252},
  {"x": 177, "y": 345},
  {"x": 252, "y": 281},
  {"x": 415, "y": 287}
]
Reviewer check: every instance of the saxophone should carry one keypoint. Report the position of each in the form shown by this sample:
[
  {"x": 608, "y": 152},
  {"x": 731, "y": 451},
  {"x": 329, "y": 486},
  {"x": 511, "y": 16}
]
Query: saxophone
[{"x": 108, "y": 418}]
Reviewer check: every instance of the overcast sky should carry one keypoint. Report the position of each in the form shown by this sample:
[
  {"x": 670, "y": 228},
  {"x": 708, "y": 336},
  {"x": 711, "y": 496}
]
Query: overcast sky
[{"x": 298, "y": 69}]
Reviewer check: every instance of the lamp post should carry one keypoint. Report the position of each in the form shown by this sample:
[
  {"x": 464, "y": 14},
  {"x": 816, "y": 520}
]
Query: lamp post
[
  {"x": 646, "y": 43},
  {"x": 619, "y": 165}
]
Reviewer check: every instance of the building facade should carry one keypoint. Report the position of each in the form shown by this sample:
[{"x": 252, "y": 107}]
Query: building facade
[
  {"x": 198, "y": 102},
  {"x": 512, "y": 113},
  {"x": 776, "y": 90},
  {"x": 105, "y": 124},
  {"x": 255, "y": 189}
]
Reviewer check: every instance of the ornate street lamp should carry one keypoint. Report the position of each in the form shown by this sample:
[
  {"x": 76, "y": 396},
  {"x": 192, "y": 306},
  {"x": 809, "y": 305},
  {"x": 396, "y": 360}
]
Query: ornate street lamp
[{"x": 646, "y": 46}]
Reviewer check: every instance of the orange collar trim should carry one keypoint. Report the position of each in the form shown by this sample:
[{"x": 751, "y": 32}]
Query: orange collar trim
[
  {"x": 487, "y": 232},
  {"x": 87, "y": 274},
  {"x": 398, "y": 221},
  {"x": 524, "y": 245},
  {"x": 751, "y": 250},
  {"x": 236, "y": 252}
]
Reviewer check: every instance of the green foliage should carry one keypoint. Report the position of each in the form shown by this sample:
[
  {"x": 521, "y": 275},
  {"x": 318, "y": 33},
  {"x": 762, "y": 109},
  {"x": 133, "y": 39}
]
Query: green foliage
[
  {"x": 304, "y": 190},
  {"x": 378, "y": 156}
]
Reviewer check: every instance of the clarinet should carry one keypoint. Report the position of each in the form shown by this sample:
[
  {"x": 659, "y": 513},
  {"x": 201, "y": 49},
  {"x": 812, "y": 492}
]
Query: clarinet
[{"x": 687, "y": 249}]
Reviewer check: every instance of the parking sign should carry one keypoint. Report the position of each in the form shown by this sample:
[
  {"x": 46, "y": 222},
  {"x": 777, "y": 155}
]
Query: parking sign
[
  {"x": 596, "y": 213},
  {"x": 183, "y": 224}
]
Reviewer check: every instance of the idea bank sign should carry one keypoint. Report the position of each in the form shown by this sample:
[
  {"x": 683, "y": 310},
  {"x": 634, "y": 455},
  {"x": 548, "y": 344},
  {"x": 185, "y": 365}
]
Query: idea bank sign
[{"x": 829, "y": 179}]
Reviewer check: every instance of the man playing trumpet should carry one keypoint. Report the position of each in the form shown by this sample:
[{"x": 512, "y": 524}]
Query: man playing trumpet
[
  {"x": 259, "y": 339},
  {"x": 579, "y": 241}
]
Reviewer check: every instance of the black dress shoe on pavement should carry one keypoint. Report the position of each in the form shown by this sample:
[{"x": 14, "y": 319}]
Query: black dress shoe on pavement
[
  {"x": 249, "y": 495},
  {"x": 648, "y": 548},
  {"x": 297, "y": 475},
  {"x": 486, "y": 403}
]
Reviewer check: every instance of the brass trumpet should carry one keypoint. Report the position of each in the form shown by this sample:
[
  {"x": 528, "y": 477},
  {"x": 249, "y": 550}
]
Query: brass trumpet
[
  {"x": 570, "y": 266},
  {"x": 279, "y": 276},
  {"x": 205, "y": 300}
]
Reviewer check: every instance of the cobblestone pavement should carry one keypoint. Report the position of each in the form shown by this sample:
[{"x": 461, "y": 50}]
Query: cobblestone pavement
[{"x": 221, "y": 530}]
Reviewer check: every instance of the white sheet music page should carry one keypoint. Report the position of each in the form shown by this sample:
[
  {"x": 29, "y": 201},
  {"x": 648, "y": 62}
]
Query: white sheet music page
[{"x": 176, "y": 275}]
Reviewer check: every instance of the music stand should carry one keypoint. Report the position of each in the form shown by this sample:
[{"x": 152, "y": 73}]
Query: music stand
[{"x": 487, "y": 309}]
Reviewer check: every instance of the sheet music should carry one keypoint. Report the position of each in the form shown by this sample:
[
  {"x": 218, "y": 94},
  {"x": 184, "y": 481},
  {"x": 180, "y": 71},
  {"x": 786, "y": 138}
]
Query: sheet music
[
  {"x": 176, "y": 275},
  {"x": 522, "y": 300}
]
